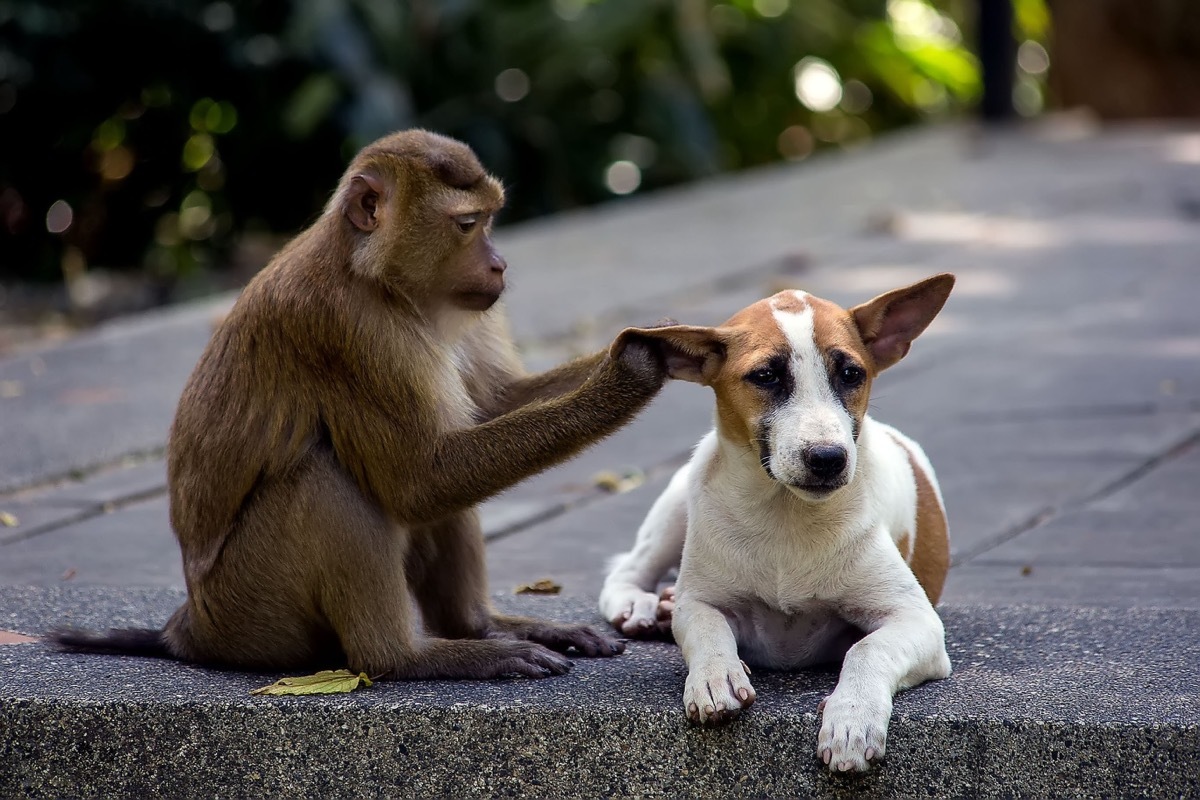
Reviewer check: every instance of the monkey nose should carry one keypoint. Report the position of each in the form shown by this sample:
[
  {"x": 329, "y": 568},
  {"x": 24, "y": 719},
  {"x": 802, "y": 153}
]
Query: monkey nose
[{"x": 498, "y": 264}]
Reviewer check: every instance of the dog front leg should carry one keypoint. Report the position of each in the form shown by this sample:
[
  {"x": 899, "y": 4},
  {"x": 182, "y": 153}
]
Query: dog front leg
[
  {"x": 628, "y": 599},
  {"x": 906, "y": 647},
  {"x": 717, "y": 687}
]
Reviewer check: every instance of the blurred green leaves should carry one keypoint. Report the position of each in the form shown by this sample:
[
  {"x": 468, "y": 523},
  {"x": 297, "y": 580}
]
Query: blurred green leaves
[{"x": 239, "y": 116}]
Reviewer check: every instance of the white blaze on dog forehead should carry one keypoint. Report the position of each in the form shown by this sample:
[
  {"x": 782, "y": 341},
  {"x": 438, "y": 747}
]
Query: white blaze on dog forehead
[{"x": 821, "y": 415}]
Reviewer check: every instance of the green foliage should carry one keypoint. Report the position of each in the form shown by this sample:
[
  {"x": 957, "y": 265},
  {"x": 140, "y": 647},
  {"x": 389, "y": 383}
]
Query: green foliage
[{"x": 169, "y": 127}]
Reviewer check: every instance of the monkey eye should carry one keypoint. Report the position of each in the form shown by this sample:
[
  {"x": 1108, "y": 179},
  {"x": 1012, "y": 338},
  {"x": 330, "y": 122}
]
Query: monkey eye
[{"x": 466, "y": 222}]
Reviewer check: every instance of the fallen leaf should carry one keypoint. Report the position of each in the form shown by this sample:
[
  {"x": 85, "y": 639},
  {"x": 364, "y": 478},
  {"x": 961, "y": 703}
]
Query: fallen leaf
[
  {"x": 617, "y": 483},
  {"x": 326, "y": 681},
  {"x": 544, "y": 586},
  {"x": 70, "y": 573},
  {"x": 12, "y": 637},
  {"x": 9, "y": 520},
  {"x": 1027, "y": 570}
]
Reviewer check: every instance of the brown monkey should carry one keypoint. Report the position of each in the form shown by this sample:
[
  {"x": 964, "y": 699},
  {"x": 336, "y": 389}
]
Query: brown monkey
[{"x": 361, "y": 398}]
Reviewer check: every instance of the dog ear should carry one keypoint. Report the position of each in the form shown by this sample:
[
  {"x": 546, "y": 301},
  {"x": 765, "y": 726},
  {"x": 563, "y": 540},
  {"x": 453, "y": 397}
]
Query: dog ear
[
  {"x": 889, "y": 323},
  {"x": 690, "y": 352}
]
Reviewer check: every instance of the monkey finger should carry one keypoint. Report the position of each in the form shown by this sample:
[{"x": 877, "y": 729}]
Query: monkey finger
[
  {"x": 580, "y": 638},
  {"x": 593, "y": 643},
  {"x": 668, "y": 593},
  {"x": 534, "y": 661}
]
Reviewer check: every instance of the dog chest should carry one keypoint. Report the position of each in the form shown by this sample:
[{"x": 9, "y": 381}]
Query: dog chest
[{"x": 768, "y": 637}]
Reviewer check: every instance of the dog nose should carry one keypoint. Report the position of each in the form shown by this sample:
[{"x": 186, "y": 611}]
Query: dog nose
[{"x": 824, "y": 460}]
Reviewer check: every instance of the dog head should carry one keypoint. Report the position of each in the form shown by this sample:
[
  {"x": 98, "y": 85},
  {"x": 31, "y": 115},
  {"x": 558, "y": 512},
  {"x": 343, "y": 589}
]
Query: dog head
[{"x": 792, "y": 374}]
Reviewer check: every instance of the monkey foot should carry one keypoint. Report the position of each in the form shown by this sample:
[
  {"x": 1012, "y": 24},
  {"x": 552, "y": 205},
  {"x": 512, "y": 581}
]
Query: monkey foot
[{"x": 562, "y": 637}]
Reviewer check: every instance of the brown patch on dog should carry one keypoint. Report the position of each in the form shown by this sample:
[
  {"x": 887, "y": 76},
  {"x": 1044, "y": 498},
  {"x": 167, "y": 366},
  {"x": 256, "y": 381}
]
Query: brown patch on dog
[
  {"x": 834, "y": 329},
  {"x": 930, "y": 559},
  {"x": 752, "y": 337},
  {"x": 904, "y": 544},
  {"x": 791, "y": 301}
]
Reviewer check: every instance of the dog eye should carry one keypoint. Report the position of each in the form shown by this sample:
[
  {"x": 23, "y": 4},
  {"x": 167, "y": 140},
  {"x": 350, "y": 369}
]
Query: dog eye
[
  {"x": 765, "y": 377},
  {"x": 852, "y": 376},
  {"x": 466, "y": 222}
]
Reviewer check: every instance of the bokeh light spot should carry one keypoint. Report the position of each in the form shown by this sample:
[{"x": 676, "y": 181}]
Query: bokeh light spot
[
  {"x": 795, "y": 143},
  {"x": 512, "y": 85},
  {"x": 59, "y": 216},
  {"x": 770, "y": 8},
  {"x": 622, "y": 177},
  {"x": 817, "y": 84},
  {"x": 569, "y": 10},
  {"x": 856, "y": 97},
  {"x": 1027, "y": 97},
  {"x": 116, "y": 164},
  {"x": 1032, "y": 57},
  {"x": 218, "y": 17},
  {"x": 197, "y": 151}
]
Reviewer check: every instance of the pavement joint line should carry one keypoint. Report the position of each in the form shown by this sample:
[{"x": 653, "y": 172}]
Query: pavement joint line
[
  {"x": 37, "y": 530},
  {"x": 86, "y": 512},
  {"x": 1043, "y": 562},
  {"x": 588, "y": 498},
  {"x": 1048, "y": 513},
  {"x": 79, "y": 475},
  {"x": 1067, "y": 412}
]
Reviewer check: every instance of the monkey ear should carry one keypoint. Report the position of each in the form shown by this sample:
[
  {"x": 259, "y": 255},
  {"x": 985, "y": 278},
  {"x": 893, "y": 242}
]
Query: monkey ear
[
  {"x": 889, "y": 323},
  {"x": 361, "y": 201},
  {"x": 690, "y": 352}
]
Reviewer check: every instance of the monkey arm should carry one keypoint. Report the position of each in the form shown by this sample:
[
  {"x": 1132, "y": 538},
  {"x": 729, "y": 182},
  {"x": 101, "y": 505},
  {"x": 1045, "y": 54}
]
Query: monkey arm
[
  {"x": 464, "y": 467},
  {"x": 521, "y": 390}
]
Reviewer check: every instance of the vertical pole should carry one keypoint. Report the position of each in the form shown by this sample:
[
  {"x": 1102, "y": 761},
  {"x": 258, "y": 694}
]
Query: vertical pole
[{"x": 997, "y": 58}]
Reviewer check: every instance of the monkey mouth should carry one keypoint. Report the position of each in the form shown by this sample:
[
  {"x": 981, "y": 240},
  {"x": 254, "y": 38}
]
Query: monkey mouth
[{"x": 477, "y": 301}]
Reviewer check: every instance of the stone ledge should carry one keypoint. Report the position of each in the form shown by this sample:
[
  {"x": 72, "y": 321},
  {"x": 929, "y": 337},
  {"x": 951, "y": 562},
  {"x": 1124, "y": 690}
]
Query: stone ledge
[{"x": 1043, "y": 702}]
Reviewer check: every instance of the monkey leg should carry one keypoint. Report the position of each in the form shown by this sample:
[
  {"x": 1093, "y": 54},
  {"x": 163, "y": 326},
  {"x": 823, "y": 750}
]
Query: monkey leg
[
  {"x": 364, "y": 592},
  {"x": 455, "y": 602}
]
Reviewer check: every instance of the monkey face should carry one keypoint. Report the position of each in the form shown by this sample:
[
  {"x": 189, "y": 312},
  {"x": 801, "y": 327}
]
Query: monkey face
[
  {"x": 421, "y": 207},
  {"x": 479, "y": 267}
]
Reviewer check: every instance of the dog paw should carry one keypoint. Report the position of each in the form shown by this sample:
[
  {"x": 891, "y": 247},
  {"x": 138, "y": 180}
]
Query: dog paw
[
  {"x": 717, "y": 693},
  {"x": 853, "y": 731},
  {"x": 636, "y": 614}
]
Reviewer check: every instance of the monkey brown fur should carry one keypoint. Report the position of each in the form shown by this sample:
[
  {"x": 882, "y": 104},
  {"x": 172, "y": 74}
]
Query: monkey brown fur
[{"x": 361, "y": 398}]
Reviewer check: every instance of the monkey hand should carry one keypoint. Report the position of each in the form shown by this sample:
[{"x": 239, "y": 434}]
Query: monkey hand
[{"x": 640, "y": 354}]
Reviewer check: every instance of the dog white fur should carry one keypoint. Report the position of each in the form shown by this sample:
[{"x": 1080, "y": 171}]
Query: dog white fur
[{"x": 803, "y": 530}]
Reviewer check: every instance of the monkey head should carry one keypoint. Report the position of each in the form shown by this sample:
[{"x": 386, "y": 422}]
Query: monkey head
[{"x": 418, "y": 210}]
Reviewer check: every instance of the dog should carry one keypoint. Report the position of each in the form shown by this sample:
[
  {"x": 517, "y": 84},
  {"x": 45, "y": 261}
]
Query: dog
[{"x": 803, "y": 530}]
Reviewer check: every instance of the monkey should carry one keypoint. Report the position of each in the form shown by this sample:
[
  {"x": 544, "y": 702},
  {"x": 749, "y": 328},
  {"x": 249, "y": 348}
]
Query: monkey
[{"x": 361, "y": 398}]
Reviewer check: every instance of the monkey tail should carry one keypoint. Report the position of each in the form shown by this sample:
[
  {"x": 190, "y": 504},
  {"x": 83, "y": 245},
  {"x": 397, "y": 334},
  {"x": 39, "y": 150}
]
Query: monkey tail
[{"x": 127, "y": 641}]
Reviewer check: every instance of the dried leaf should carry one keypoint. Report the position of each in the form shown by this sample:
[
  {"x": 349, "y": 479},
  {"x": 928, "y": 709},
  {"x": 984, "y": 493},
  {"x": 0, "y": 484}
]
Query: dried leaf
[
  {"x": 9, "y": 520},
  {"x": 617, "y": 483},
  {"x": 12, "y": 637},
  {"x": 324, "y": 682},
  {"x": 544, "y": 586}
]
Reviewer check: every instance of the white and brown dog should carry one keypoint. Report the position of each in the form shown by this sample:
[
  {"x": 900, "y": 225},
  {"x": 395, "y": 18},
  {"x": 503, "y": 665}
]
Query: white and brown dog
[{"x": 804, "y": 531}]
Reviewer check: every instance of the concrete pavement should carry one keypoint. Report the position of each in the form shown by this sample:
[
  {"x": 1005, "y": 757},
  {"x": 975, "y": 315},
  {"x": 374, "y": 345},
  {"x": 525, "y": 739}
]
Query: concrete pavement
[{"x": 1058, "y": 396}]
